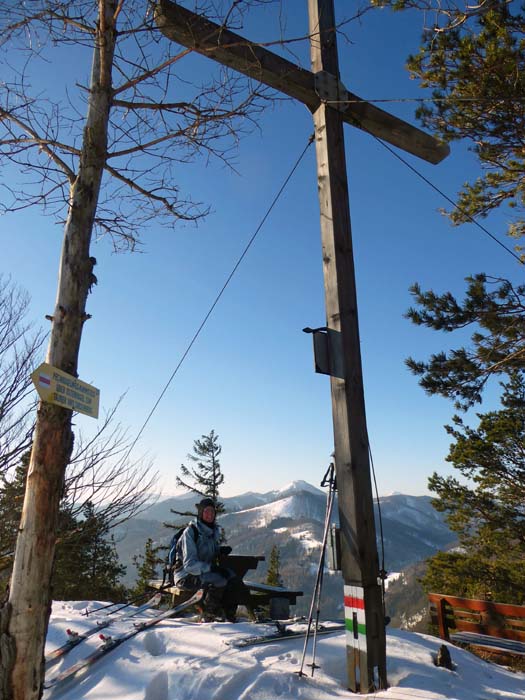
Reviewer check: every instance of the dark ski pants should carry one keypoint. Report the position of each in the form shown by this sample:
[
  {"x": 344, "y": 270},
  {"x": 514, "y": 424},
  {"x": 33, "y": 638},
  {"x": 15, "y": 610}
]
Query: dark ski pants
[{"x": 221, "y": 589}]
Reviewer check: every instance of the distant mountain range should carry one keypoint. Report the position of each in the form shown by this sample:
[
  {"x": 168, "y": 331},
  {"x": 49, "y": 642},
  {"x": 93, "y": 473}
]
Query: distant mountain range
[
  {"x": 186, "y": 502},
  {"x": 292, "y": 518}
]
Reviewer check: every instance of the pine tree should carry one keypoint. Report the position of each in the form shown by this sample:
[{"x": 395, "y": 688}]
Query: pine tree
[
  {"x": 12, "y": 491},
  {"x": 146, "y": 565},
  {"x": 205, "y": 477},
  {"x": 486, "y": 505},
  {"x": 473, "y": 60},
  {"x": 467, "y": 575},
  {"x": 68, "y": 580},
  {"x": 98, "y": 569},
  {"x": 494, "y": 311},
  {"x": 273, "y": 577},
  {"x": 85, "y": 564}
]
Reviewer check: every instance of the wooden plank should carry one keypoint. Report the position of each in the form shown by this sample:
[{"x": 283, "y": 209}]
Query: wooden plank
[
  {"x": 501, "y": 646},
  {"x": 172, "y": 590},
  {"x": 213, "y": 41},
  {"x": 515, "y": 624},
  {"x": 509, "y": 610},
  {"x": 466, "y": 614},
  {"x": 273, "y": 591},
  {"x": 505, "y": 609},
  {"x": 495, "y": 648},
  {"x": 491, "y": 631},
  {"x": 442, "y": 619},
  {"x": 461, "y": 617},
  {"x": 155, "y": 583},
  {"x": 359, "y": 561}
]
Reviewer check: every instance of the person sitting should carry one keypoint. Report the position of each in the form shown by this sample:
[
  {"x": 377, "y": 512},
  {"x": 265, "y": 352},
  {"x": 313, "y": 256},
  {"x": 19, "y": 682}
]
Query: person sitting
[{"x": 196, "y": 564}]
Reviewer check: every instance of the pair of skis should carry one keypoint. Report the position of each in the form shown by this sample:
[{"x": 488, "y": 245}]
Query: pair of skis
[
  {"x": 284, "y": 634},
  {"x": 110, "y": 643},
  {"x": 75, "y": 638}
]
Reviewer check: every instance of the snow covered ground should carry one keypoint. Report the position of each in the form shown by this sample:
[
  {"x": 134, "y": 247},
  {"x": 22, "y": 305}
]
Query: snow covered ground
[{"x": 182, "y": 660}]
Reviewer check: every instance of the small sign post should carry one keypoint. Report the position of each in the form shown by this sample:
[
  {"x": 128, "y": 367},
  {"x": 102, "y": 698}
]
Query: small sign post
[{"x": 63, "y": 389}]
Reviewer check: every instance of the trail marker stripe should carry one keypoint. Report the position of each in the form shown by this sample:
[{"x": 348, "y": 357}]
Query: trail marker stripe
[
  {"x": 355, "y": 621},
  {"x": 359, "y": 615},
  {"x": 352, "y": 602},
  {"x": 361, "y": 629},
  {"x": 44, "y": 379}
]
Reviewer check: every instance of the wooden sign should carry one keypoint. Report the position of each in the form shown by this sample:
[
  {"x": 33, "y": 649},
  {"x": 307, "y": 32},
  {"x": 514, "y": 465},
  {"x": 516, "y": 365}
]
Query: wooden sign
[{"x": 62, "y": 389}]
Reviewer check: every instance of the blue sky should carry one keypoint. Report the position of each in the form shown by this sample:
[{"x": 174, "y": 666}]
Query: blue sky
[{"x": 250, "y": 375}]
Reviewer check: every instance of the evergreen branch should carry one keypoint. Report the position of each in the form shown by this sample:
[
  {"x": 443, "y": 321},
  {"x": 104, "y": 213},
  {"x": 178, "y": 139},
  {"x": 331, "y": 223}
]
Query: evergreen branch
[{"x": 186, "y": 513}]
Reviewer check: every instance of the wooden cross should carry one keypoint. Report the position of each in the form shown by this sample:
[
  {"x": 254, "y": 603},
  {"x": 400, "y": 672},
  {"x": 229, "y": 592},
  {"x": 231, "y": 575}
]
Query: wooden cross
[{"x": 331, "y": 105}]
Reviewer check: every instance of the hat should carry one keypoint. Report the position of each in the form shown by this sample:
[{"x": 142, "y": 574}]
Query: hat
[
  {"x": 201, "y": 507},
  {"x": 205, "y": 503}
]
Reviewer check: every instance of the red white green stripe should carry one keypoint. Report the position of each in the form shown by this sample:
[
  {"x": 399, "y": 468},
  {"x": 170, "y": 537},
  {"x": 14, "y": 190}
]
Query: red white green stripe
[{"x": 354, "y": 599}]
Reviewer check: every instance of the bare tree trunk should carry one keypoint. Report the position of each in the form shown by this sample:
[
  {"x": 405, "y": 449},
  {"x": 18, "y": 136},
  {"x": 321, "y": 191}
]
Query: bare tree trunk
[
  {"x": 7, "y": 650},
  {"x": 30, "y": 594}
]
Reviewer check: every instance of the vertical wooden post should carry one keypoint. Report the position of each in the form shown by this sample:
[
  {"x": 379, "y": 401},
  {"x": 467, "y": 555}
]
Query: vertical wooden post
[
  {"x": 30, "y": 588},
  {"x": 366, "y": 644},
  {"x": 442, "y": 619}
]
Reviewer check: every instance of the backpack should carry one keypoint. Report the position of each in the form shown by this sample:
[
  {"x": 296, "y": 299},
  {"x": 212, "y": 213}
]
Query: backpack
[{"x": 171, "y": 561}]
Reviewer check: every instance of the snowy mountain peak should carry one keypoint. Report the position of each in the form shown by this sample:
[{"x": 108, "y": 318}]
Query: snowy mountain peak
[
  {"x": 296, "y": 486},
  {"x": 296, "y": 505}
]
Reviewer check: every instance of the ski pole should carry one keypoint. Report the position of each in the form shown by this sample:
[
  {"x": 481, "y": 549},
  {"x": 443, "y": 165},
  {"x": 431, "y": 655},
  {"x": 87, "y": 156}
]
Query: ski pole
[
  {"x": 138, "y": 598},
  {"x": 318, "y": 612},
  {"x": 318, "y": 579},
  {"x": 110, "y": 605},
  {"x": 126, "y": 605}
]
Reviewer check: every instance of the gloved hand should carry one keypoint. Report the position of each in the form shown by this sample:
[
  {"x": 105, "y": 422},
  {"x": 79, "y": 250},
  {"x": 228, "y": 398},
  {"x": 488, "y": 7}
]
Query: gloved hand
[{"x": 224, "y": 551}]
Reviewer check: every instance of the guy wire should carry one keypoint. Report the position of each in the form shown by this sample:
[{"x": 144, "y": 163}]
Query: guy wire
[
  {"x": 444, "y": 195},
  {"x": 220, "y": 293}
]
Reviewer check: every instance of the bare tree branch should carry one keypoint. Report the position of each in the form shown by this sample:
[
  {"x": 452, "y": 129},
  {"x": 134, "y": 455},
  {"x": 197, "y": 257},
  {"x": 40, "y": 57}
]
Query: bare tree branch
[
  {"x": 20, "y": 350},
  {"x": 39, "y": 142},
  {"x": 150, "y": 194},
  {"x": 151, "y": 73},
  {"x": 101, "y": 472}
]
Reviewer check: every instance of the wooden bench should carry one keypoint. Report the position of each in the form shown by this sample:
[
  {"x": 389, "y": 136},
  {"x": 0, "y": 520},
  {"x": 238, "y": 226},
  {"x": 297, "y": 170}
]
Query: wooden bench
[
  {"x": 255, "y": 595},
  {"x": 277, "y": 598},
  {"x": 495, "y": 627}
]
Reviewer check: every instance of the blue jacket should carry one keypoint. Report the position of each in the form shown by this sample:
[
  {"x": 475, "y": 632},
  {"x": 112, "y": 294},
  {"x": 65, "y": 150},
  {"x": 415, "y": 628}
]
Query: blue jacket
[{"x": 197, "y": 555}]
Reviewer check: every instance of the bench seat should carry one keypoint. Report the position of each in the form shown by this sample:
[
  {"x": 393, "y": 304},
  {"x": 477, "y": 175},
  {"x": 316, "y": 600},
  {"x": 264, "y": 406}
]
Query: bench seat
[
  {"x": 274, "y": 591},
  {"x": 485, "y": 641},
  {"x": 254, "y": 595},
  {"x": 496, "y": 627}
]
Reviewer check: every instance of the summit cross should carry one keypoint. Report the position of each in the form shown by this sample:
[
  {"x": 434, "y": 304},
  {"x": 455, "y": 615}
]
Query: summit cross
[{"x": 331, "y": 105}]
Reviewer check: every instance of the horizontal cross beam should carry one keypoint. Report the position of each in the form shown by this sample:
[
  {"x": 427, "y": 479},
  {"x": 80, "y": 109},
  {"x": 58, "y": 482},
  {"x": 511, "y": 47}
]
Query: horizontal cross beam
[{"x": 220, "y": 44}]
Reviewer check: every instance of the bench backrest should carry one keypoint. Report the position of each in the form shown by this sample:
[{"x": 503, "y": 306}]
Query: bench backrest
[{"x": 480, "y": 616}]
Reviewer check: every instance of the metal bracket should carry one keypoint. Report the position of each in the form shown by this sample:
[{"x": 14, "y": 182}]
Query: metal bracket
[
  {"x": 328, "y": 351},
  {"x": 333, "y": 550},
  {"x": 331, "y": 90}
]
